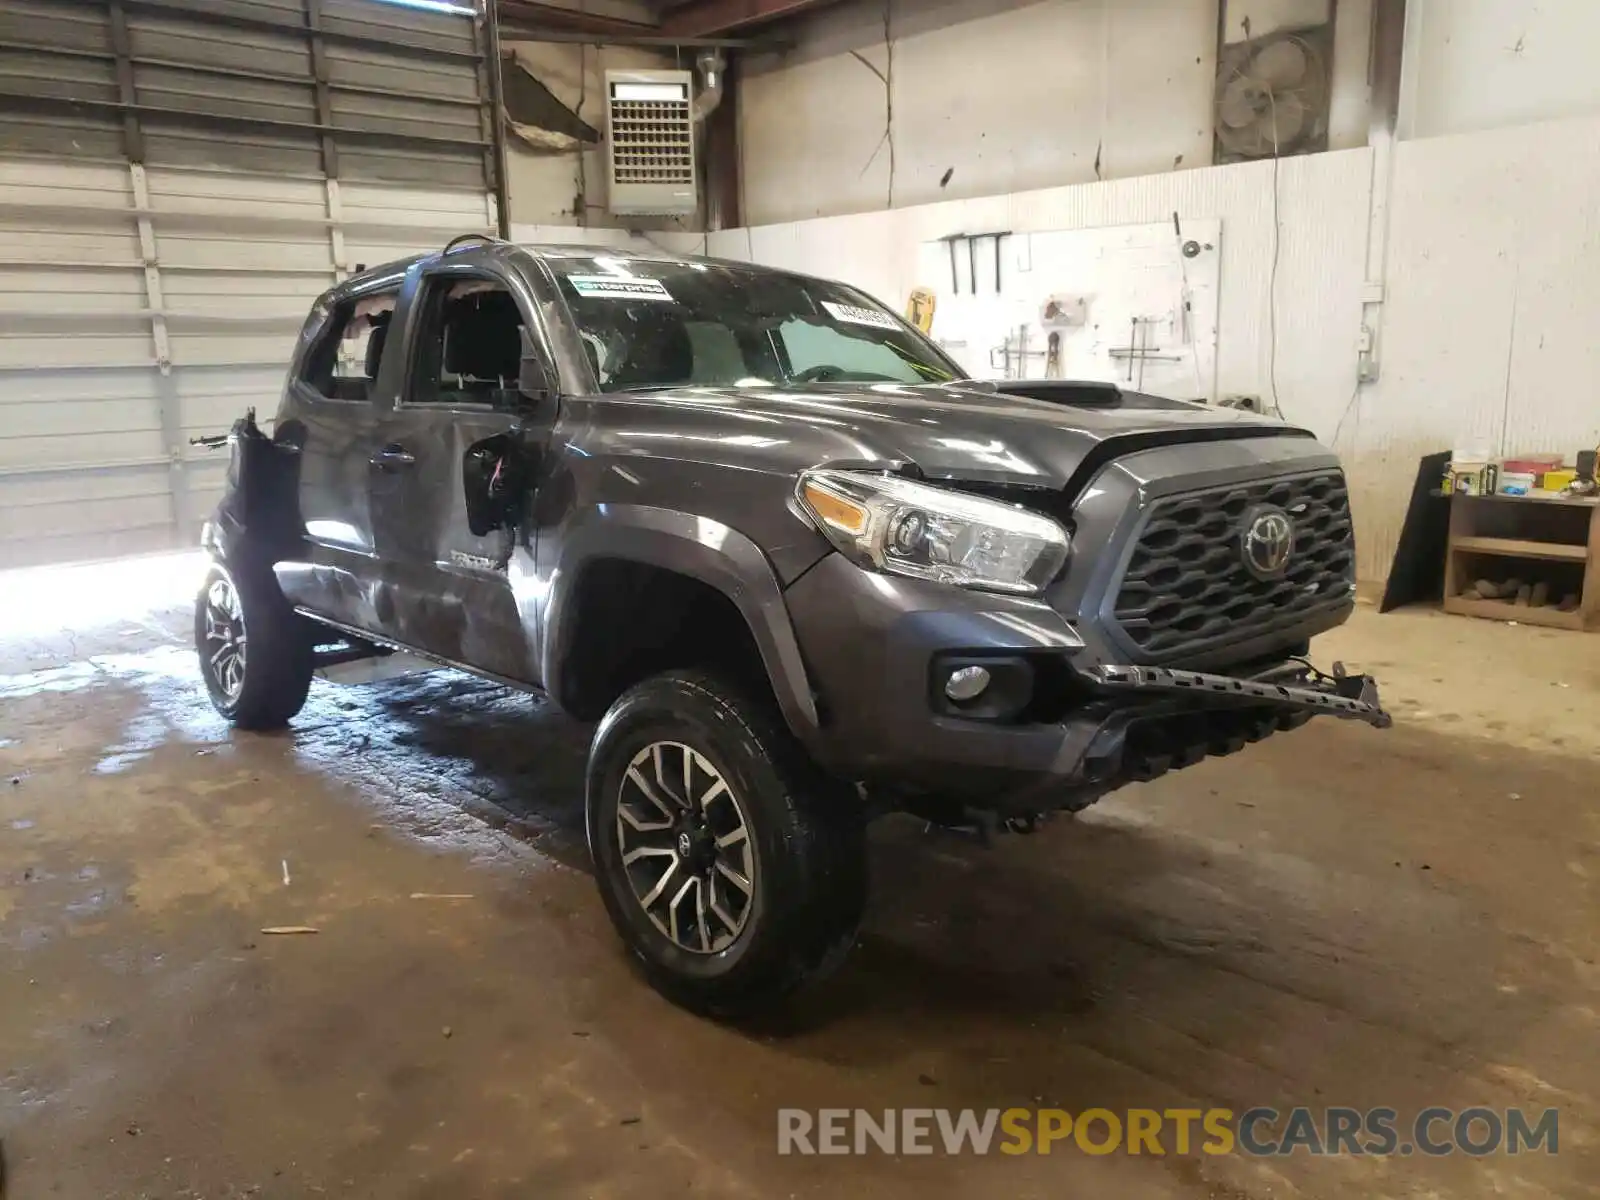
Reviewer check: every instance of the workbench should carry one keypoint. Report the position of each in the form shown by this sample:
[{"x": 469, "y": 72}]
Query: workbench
[{"x": 1556, "y": 537}]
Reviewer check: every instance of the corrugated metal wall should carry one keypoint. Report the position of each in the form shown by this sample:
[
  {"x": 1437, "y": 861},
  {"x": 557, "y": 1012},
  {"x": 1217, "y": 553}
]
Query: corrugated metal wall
[{"x": 178, "y": 178}]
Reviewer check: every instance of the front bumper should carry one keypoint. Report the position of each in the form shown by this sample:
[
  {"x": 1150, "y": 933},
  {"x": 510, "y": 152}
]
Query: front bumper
[{"x": 875, "y": 647}]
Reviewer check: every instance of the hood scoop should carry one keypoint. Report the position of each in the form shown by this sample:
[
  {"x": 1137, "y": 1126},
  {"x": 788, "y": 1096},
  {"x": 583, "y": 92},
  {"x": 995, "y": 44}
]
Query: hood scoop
[{"x": 1081, "y": 393}]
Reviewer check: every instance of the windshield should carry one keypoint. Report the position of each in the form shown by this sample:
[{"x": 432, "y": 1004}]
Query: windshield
[{"x": 653, "y": 324}]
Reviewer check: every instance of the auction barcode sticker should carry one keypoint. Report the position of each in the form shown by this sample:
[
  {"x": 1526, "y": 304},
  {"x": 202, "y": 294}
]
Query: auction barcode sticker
[
  {"x": 852, "y": 315},
  {"x": 618, "y": 287}
]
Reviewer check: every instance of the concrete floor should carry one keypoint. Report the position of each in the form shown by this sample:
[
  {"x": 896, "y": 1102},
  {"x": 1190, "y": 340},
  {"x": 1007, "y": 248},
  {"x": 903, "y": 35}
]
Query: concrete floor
[{"x": 1339, "y": 916}]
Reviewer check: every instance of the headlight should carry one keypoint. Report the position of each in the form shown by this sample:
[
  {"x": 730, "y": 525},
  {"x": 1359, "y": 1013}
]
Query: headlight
[{"x": 892, "y": 524}]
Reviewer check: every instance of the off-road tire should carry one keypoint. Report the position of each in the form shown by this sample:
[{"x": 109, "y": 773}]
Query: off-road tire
[
  {"x": 807, "y": 830},
  {"x": 279, "y": 657}
]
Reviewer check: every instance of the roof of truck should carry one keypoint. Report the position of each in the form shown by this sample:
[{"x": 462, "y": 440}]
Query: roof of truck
[{"x": 647, "y": 251}]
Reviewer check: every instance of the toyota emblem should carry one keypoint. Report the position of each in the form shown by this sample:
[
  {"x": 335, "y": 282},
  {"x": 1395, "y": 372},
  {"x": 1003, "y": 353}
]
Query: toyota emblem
[{"x": 1268, "y": 541}]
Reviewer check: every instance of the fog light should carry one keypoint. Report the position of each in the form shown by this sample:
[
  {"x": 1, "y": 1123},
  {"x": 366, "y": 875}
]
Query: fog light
[{"x": 966, "y": 684}]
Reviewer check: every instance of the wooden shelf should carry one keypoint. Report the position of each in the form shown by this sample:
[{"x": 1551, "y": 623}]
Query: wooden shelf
[
  {"x": 1504, "y": 610},
  {"x": 1535, "y": 498},
  {"x": 1539, "y": 528},
  {"x": 1520, "y": 548}
]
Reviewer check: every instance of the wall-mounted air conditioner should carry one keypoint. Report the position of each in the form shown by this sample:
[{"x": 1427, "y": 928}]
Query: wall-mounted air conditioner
[{"x": 651, "y": 144}]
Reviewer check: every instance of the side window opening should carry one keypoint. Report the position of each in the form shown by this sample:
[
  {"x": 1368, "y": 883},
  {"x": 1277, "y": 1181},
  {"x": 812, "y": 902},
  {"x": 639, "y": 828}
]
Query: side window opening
[
  {"x": 344, "y": 363},
  {"x": 469, "y": 345}
]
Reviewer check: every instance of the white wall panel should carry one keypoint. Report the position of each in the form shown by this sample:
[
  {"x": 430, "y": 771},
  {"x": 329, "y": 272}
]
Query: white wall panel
[
  {"x": 1473, "y": 65},
  {"x": 1489, "y": 329},
  {"x": 992, "y": 98}
]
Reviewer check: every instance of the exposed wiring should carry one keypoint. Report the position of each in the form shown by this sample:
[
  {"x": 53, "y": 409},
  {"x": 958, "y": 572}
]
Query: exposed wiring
[
  {"x": 1511, "y": 353},
  {"x": 1272, "y": 280},
  {"x": 888, "y": 90},
  {"x": 870, "y": 65},
  {"x": 886, "y": 77},
  {"x": 744, "y": 195},
  {"x": 1350, "y": 406},
  {"x": 582, "y": 203}
]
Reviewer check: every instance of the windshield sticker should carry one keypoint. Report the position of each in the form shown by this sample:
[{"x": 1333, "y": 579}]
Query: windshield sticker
[
  {"x": 851, "y": 315},
  {"x": 617, "y": 287}
]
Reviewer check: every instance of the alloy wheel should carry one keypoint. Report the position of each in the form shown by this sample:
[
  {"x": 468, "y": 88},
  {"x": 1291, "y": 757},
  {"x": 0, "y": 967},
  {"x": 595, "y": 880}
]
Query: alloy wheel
[
  {"x": 684, "y": 840},
  {"x": 224, "y": 637}
]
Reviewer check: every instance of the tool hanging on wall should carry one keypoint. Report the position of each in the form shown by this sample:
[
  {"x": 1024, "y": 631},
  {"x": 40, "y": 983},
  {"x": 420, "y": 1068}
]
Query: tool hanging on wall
[
  {"x": 1015, "y": 354},
  {"x": 1188, "y": 249},
  {"x": 955, "y": 274},
  {"x": 1052, "y": 357},
  {"x": 972, "y": 240},
  {"x": 920, "y": 308},
  {"x": 1140, "y": 351}
]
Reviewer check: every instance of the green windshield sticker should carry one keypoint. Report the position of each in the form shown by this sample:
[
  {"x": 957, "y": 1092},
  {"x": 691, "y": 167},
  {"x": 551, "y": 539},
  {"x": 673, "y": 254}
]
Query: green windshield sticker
[
  {"x": 619, "y": 287},
  {"x": 852, "y": 315}
]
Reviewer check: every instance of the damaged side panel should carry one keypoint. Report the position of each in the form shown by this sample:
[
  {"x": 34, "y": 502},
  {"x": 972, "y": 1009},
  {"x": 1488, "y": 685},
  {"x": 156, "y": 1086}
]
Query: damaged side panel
[
  {"x": 260, "y": 502},
  {"x": 454, "y": 568}
]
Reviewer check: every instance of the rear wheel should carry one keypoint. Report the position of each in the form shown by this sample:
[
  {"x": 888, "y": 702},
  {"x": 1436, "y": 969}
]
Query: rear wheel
[
  {"x": 732, "y": 867},
  {"x": 255, "y": 657}
]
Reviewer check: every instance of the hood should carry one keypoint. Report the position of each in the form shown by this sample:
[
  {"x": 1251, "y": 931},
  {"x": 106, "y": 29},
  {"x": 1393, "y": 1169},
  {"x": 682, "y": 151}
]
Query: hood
[{"x": 969, "y": 431}]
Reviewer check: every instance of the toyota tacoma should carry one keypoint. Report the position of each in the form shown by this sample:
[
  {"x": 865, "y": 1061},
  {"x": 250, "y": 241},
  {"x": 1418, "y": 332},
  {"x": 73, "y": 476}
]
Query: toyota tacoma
[{"x": 797, "y": 566}]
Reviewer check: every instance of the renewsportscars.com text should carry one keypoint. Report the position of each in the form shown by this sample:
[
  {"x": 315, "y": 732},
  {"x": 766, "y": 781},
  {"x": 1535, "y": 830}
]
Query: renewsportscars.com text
[{"x": 1255, "y": 1132}]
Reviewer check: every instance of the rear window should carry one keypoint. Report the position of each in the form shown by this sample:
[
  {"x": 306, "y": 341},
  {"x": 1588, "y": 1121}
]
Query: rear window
[{"x": 343, "y": 364}]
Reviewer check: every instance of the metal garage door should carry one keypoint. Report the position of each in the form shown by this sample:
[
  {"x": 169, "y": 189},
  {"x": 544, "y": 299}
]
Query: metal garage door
[{"x": 177, "y": 179}]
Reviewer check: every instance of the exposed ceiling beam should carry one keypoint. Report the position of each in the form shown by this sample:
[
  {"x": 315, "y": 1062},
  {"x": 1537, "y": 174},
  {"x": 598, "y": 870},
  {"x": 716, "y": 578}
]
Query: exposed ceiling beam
[
  {"x": 512, "y": 31},
  {"x": 702, "y": 18},
  {"x": 530, "y": 14}
]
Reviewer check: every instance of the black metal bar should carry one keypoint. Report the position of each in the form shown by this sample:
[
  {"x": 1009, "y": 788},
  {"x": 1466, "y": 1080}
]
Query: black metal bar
[
  {"x": 706, "y": 17},
  {"x": 121, "y": 49},
  {"x": 950, "y": 240},
  {"x": 499, "y": 181},
  {"x": 575, "y": 19},
  {"x": 1386, "y": 53},
  {"x": 524, "y": 31},
  {"x": 724, "y": 183},
  {"x": 312, "y": 10},
  {"x": 1206, "y": 688}
]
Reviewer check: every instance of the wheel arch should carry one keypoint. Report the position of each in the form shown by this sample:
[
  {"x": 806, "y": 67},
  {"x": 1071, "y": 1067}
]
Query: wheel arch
[{"x": 698, "y": 549}]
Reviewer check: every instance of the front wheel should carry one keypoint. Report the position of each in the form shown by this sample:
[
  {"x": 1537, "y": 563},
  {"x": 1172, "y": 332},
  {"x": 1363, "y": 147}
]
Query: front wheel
[
  {"x": 255, "y": 657},
  {"x": 733, "y": 868}
]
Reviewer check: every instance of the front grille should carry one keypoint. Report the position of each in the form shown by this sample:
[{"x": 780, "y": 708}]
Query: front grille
[{"x": 1187, "y": 587}]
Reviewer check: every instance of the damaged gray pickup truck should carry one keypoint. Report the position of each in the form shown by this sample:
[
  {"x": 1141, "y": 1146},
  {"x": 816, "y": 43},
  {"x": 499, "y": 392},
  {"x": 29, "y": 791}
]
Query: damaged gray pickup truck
[{"x": 797, "y": 566}]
